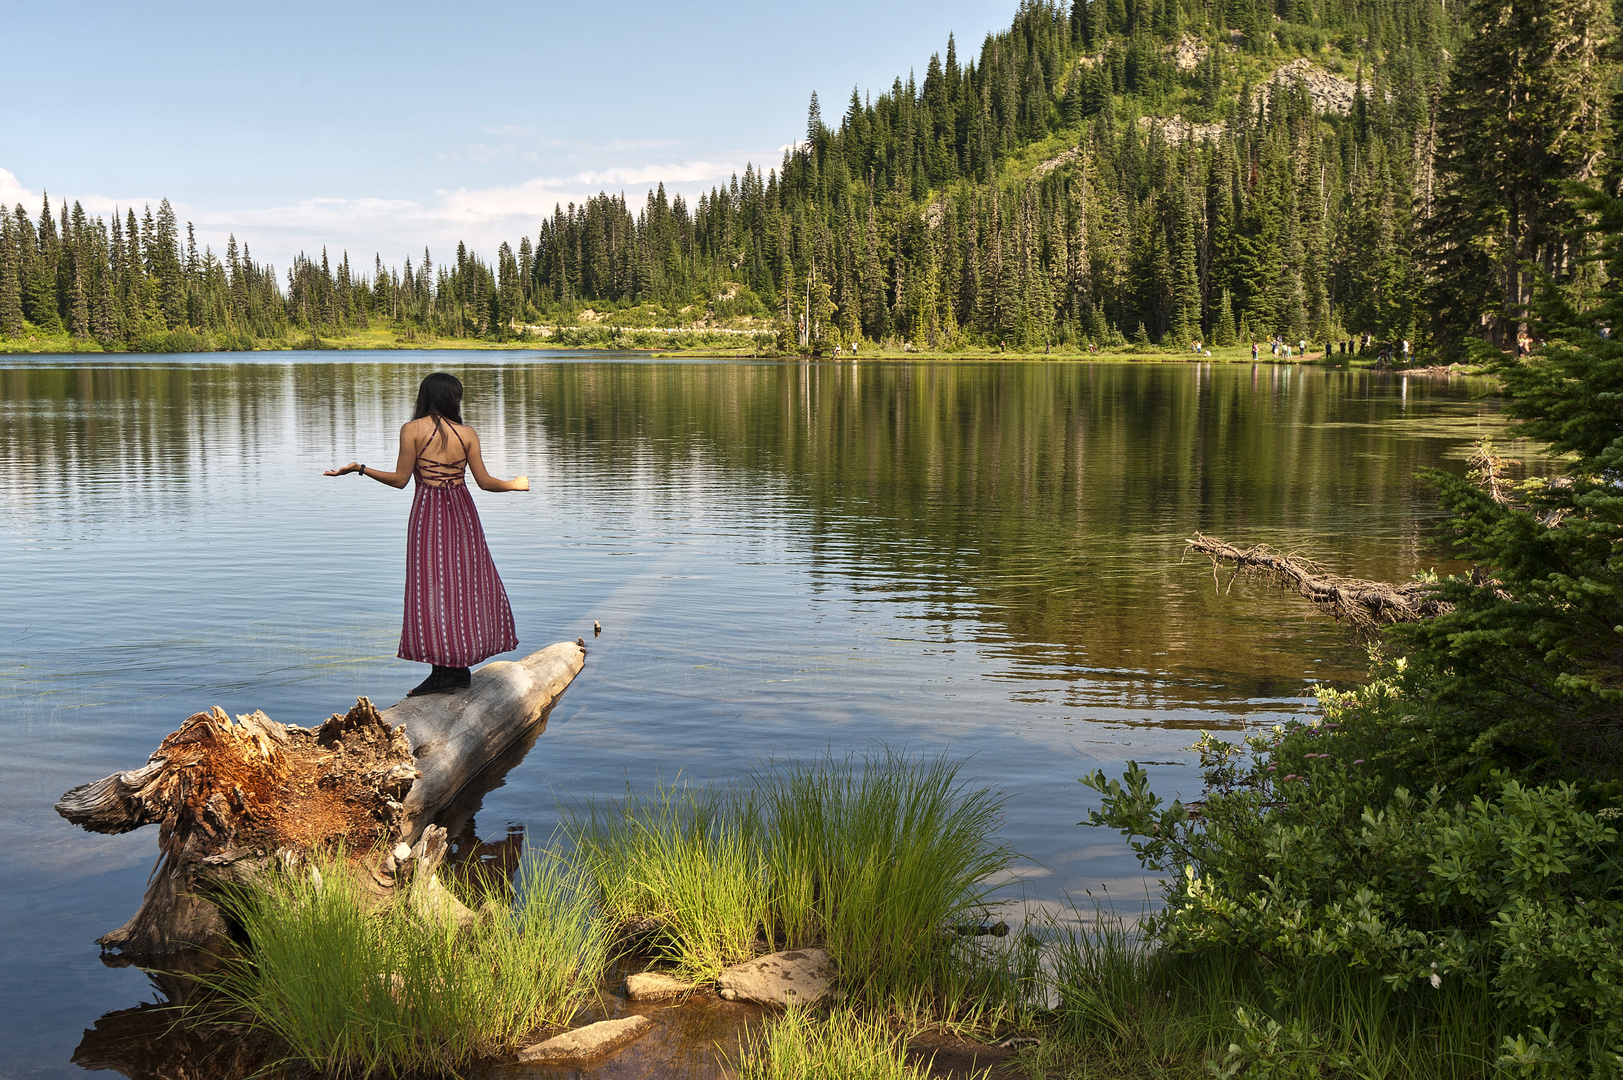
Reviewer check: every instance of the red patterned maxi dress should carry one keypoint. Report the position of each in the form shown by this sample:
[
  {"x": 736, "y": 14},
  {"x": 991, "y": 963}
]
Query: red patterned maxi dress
[{"x": 457, "y": 612}]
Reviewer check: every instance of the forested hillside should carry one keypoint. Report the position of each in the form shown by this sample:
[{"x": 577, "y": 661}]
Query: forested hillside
[{"x": 1154, "y": 170}]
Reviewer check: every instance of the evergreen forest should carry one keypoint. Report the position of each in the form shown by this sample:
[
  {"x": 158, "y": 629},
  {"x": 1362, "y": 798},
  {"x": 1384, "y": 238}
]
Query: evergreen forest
[{"x": 1101, "y": 173}]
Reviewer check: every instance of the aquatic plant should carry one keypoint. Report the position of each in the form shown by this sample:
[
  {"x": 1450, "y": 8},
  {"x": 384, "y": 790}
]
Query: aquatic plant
[
  {"x": 874, "y": 860},
  {"x": 801, "y": 1045},
  {"x": 875, "y": 863},
  {"x": 681, "y": 871},
  {"x": 354, "y": 988}
]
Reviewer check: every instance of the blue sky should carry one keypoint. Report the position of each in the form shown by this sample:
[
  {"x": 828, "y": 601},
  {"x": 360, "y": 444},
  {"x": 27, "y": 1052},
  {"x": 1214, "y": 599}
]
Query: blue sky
[{"x": 386, "y": 127}]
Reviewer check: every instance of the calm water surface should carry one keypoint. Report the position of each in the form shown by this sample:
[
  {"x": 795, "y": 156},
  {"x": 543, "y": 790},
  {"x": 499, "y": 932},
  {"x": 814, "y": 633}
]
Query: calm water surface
[{"x": 787, "y": 560}]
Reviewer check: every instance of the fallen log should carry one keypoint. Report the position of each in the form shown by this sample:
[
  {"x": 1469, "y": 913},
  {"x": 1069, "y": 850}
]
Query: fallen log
[
  {"x": 1366, "y": 605},
  {"x": 230, "y": 798}
]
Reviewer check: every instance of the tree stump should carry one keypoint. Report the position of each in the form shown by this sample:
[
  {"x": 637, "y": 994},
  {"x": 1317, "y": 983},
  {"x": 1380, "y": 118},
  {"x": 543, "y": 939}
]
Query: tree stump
[{"x": 230, "y": 797}]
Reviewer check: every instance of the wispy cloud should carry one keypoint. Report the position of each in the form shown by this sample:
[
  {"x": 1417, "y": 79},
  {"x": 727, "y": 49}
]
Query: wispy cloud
[
  {"x": 12, "y": 192},
  {"x": 482, "y": 217},
  {"x": 688, "y": 172}
]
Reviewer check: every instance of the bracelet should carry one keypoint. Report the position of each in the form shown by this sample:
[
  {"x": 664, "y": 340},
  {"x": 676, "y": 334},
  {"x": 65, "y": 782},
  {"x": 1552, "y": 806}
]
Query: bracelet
[{"x": 363, "y": 470}]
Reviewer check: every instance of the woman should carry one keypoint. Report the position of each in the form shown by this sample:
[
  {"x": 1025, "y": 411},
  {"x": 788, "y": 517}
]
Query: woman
[{"x": 456, "y": 609}]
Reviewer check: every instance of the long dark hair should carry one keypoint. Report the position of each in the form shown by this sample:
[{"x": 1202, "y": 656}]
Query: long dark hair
[{"x": 440, "y": 395}]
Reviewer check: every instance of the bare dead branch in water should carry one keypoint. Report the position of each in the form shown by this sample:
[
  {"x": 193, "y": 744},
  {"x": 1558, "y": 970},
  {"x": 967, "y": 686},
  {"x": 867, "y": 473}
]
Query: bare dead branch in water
[
  {"x": 1487, "y": 469},
  {"x": 1365, "y": 605}
]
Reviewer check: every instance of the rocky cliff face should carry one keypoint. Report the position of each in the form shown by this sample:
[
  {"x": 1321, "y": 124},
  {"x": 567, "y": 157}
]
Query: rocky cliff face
[{"x": 1330, "y": 93}]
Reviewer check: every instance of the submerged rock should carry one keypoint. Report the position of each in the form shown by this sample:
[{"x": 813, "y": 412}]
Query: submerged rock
[
  {"x": 586, "y": 1043},
  {"x": 655, "y": 986},
  {"x": 804, "y": 976}
]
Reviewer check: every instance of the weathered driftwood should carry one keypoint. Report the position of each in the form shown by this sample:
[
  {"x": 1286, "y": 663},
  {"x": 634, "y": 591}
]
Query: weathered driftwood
[
  {"x": 454, "y": 736},
  {"x": 1366, "y": 605},
  {"x": 231, "y": 797}
]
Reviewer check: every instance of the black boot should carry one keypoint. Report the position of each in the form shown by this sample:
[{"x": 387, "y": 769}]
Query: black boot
[
  {"x": 441, "y": 680},
  {"x": 461, "y": 677}
]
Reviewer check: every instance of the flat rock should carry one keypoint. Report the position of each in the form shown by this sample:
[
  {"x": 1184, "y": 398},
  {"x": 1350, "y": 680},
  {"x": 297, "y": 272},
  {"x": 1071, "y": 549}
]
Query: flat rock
[
  {"x": 586, "y": 1043},
  {"x": 804, "y": 976},
  {"x": 655, "y": 986}
]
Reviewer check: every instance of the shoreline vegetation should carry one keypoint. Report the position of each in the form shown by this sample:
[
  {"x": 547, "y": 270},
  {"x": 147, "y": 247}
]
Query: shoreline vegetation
[
  {"x": 879, "y": 862},
  {"x": 883, "y": 862},
  {"x": 706, "y": 343}
]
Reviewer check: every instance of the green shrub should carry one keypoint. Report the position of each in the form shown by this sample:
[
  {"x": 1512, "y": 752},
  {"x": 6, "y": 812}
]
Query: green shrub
[
  {"x": 235, "y": 341},
  {"x": 1306, "y": 853},
  {"x": 175, "y": 341},
  {"x": 353, "y": 988},
  {"x": 744, "y": 304}
]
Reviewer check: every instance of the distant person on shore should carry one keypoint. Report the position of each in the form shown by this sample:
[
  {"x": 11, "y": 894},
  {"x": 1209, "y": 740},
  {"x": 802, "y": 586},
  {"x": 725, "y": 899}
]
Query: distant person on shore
[
  {"x": 1253, "y": 352},
  {"x": 457, "y": 612}
]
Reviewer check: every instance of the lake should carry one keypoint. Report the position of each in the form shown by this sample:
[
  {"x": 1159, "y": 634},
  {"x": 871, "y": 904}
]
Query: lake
[{"x": 787, "y": 559}]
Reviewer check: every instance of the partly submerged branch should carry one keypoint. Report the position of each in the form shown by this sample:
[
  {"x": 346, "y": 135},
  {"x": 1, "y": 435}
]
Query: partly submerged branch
[
  {"x": 1366, "y": 605},
  {"x": 1487, "y": 469}
]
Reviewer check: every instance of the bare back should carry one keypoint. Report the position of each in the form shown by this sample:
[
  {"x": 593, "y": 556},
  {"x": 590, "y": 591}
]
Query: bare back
[{"x": 442, "y": 450}]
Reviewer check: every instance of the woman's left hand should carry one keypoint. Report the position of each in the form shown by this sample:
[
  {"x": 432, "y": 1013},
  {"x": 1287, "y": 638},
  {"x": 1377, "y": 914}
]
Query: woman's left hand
[{"x": 353, "y": 466}]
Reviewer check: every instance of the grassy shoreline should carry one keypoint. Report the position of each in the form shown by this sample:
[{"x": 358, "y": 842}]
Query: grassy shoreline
[
  {"x": 878, "y": 861},
  {"x": 875, "y": 860},
  {"x": 696, "y": 342},
  {"x": 389, "y": 341}
]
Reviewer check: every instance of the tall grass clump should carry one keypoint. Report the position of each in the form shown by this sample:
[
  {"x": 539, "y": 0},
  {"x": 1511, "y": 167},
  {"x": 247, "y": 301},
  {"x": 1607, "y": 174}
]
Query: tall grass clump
[
  {"x": 801, "y": 1045},
  {"x": 1127, "y": 1006},
  {"x": 877, "y": 861},
  {"x": 878, "y": 864},
  {"x": 354, "y": 988},
  {"x": 682, "y": 869}
]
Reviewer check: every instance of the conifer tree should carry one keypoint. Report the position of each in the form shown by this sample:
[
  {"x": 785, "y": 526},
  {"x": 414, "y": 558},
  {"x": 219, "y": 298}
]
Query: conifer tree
[
  {"x": 11, "y": 294},
  {"x": 1526, "y": 111},
  {"x": 78, "y": 304},
  {"x": 1186, "y": 321},
  {"x": 1223, "y": 329},
  {"x": 164, "y": 255},
  {"x": 102, "y": 304}
]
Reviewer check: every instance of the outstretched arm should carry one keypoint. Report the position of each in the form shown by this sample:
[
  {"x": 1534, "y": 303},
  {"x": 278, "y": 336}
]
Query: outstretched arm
[
  {"x": 482, "y": 477},
  {"x": 402, "y": 468}
]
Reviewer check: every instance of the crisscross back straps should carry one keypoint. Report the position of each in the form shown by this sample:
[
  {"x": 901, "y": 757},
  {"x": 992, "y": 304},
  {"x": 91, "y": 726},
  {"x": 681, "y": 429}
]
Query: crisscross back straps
[{"x": 441, "y": 473}]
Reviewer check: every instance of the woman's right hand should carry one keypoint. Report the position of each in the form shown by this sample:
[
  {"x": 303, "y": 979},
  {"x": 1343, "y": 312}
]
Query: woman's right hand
[{"x": 521, "y": 483}]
